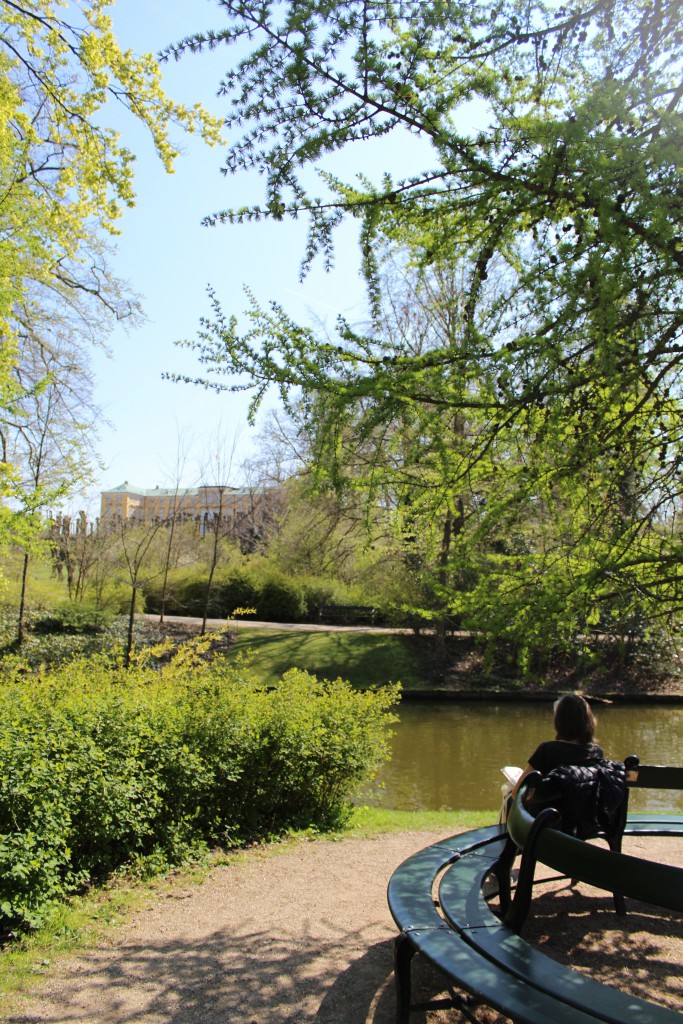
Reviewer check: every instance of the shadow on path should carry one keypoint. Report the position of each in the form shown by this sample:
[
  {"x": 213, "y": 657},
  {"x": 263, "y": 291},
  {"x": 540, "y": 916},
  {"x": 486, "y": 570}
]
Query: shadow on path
[
  {"x": 639, "y": 953},
  {"x": 232, "y": 979}
]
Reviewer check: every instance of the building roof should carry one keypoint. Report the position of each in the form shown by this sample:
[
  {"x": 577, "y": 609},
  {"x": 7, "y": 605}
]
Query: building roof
[
  {"x": 165, "y": 492},
  {"x": 125, "y": 488}
]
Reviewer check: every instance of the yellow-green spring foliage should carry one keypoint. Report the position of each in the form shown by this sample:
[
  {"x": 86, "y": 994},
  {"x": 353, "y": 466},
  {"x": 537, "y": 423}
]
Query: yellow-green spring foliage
[{"x": 100, "y": 767}]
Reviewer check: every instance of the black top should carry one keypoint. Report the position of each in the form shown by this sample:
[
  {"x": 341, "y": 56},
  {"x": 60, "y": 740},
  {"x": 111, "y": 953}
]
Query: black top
[{"x": 556, "y": 752}]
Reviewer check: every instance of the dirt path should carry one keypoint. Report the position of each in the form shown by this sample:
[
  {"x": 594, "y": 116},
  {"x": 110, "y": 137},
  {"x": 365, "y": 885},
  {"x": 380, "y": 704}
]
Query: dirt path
[
  {"x": 300, "y": 627},
  {"x": 304, "y": 935}
]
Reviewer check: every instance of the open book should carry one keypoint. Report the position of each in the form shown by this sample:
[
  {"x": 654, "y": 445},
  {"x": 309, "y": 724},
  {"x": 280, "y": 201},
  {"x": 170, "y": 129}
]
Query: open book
[{"x": 512, "y": 774}]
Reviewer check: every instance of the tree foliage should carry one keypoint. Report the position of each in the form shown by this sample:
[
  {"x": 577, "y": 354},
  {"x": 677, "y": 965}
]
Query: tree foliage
[
  {"x": 57, "y": 76},
  {"x": 64, "y": 173},
  {"x": 65, "y": 177},
  {"x": 556, "y": 190}
]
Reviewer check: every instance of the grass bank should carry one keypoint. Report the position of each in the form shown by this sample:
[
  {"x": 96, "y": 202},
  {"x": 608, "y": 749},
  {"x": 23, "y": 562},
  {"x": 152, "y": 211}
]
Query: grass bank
[
  {"x": 86, "y": 920},
  {"x": 364, "y": 659},
  {"x": 459, "y": 667}
]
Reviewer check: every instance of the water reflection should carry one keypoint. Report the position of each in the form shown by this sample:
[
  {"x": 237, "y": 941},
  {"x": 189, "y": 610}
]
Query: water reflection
[{"x": 448, "y": 756}]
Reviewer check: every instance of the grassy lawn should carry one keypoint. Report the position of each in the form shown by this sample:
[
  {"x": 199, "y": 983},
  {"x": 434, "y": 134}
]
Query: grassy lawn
[{"x": 365, "y": 659}]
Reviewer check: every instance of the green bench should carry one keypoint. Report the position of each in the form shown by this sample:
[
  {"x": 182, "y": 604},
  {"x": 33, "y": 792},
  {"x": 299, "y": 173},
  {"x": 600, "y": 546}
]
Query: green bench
[
  {"x": 437, "y": 902},
  {"x": 538, "y": 839},
  {"x": 347, "y": 614}
]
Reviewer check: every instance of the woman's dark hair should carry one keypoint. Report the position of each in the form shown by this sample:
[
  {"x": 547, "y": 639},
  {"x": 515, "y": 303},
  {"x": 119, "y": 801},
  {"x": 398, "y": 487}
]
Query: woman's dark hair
[{"x": 574, "y": 721}]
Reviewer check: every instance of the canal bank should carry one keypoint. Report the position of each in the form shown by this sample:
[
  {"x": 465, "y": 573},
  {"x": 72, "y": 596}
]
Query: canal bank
[
  {"x": 539, "y": 696},
  {"x": 458, "y": 668},
  {"x": 454, "y": 670}
]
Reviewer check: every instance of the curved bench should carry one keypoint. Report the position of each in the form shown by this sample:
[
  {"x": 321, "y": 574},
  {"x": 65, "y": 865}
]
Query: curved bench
[
  {"x": 461, "y": 936},
  {"x": 538, "y": 839}
]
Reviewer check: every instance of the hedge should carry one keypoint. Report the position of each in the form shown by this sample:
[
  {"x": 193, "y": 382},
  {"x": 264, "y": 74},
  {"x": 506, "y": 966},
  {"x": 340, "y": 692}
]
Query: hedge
[
  {"x": 274, "y": 596},
  {"x": 99, "y": 766}
]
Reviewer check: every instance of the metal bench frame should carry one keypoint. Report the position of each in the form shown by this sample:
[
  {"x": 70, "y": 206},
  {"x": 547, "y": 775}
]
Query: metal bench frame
[
  {"x": 539, "y": 839},
  {"x": 461, "y": 936}
]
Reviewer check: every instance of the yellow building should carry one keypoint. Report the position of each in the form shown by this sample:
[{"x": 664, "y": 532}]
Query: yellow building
[{"x": 203, "y": 503}]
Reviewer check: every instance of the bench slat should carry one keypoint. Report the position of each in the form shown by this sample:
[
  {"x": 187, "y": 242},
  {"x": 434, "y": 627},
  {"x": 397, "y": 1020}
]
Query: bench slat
[
  {"x": 410, "y": 887},
  {"x": 460, "y": 895},
  {"x": 634, "y": 877},
  {"x": 517, "y": 957},
  {"x": 654, "y": 825},
  {"x": 463, "y": 903},
  {"x": 449, "y": 952},
  {"x": 656, "y": 776}
]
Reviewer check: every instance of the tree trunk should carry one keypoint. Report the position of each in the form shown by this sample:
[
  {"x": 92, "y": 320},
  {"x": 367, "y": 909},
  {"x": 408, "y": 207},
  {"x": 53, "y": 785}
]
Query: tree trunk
[
  {"x": 22, "y": 601},
  {"x": 207, "y": 598},
  {"x": 442, "y": 576},
  {"x": 167, "y": 566},
  {"x": 452, "y": 527},
  {"x": 212, "y": 569},
  {"x": 131, "y": 621}
]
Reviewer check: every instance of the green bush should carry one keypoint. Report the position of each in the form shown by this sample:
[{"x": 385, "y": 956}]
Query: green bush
[
  {"x": 186, "y": 594},
  {"x": 280, "y": 600},
  {"x": 274, "y": 596},
  {"x": 236, "y": 590},
  {"x": 318, "y": 593},
  {"x": 73, "y": 619},
  {"x": 190, "y": 598},
  {"x": 99, "y": 766}
]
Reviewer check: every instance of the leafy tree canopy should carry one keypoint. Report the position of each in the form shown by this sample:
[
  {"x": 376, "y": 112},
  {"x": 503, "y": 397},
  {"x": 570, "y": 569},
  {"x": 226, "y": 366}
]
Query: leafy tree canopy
[
  {"x": 555, "y": 189},
  {"x": 570, "y": 184},
  {"x": 63, "y": 175}
]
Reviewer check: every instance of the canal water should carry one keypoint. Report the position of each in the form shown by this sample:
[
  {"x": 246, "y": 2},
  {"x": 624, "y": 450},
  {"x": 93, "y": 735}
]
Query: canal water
[{"x": 448, "y": 756}]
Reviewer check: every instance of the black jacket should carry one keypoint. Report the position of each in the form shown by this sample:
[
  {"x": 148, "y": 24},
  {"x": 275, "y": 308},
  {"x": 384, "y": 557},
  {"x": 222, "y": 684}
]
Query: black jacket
[{"x": 590, "y": 797}]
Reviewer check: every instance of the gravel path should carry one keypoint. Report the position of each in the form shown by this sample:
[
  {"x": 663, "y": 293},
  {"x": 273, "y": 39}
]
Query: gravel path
[{"x": 304, "y": 935}]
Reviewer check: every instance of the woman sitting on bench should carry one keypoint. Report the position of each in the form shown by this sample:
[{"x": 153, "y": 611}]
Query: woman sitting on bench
[
  {"x": 589, "y": 792},
  {"x": 574, "y": 741}
]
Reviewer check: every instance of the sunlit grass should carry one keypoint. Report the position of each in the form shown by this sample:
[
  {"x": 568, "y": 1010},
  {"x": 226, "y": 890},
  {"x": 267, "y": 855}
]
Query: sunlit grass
[
  {"x": 369, "y": 821},
  {"x": 365, "y": 659},
  {"x": 44, "y": 589}
]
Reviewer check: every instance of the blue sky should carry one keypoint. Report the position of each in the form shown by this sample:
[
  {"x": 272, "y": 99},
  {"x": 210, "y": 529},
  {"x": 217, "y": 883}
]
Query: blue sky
[{"x": 169, "y": 259}]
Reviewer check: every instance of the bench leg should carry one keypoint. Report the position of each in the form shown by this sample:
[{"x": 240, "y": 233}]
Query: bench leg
[
  {"x": 518, "y": 910},
  {"x": 614, "y": 843},
  {"x": 502, "y": 870},
  {"x": 404, "y": 951}
]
